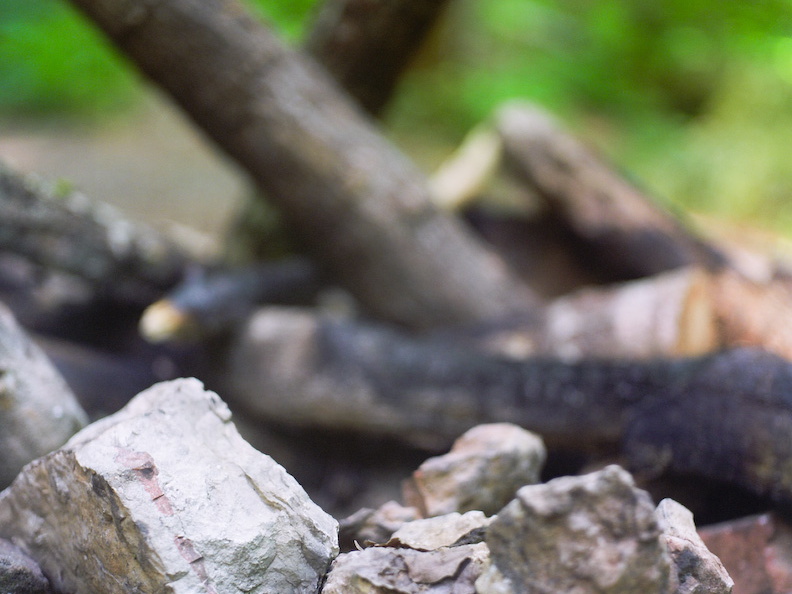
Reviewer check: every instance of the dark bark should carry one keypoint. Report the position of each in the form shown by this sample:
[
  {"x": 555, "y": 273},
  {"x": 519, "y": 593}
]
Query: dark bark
[
  {"x": 630, "y": 236},
  {"x": 118, "y": 259},
  {"x": 724, "y": 416},
  {"x": 211, "y": 303},
  {"x": 357, "y": 203},
  {"x": 367, "y": 44}
]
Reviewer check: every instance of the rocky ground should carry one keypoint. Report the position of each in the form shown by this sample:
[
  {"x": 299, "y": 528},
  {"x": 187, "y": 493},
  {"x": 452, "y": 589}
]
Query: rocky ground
[{"x": 141, "y": 501}]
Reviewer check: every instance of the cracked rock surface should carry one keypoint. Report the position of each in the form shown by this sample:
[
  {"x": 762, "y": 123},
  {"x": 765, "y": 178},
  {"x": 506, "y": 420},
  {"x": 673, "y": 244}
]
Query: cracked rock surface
[{"x": 165, "y": 496}]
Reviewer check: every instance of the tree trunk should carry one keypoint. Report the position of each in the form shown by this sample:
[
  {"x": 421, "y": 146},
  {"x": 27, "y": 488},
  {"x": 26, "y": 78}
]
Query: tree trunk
[
  {"x": 359, "y": 205},
  {"x": 366, "y": 45}
]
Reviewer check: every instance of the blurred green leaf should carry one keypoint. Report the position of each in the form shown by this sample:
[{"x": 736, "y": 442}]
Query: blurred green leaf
[{"x": 694, "y": 97}]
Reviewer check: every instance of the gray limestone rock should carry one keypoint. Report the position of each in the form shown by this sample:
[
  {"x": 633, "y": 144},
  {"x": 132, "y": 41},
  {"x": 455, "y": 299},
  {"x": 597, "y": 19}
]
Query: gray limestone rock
[
  {"x": 484, "y": 469},
  {"x": 38, "y": 411},
  {"x": 165, "y": 496},
  {"x": 387, "y": 570},
  {"x": 19, "y": 574},
  {"x": 441, "y": 531},
  {"x": 696, "y": 569},
  {"x": 588, "y": 534}
]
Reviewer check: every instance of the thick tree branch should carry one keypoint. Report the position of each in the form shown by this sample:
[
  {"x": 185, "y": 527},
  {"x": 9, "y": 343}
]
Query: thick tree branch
[
  {"x": 724, "y": 416},
  {"x": 356, "y": 202},
  {"x": 631, "y": 236},
  {"x": 366, "y": 44}
]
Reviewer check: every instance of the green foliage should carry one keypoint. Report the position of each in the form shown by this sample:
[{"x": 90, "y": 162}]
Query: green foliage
[
  {"x": 51, "y": 61},
  {"x": 694, "y": 97},
  {"x": 291, "y": 17}
]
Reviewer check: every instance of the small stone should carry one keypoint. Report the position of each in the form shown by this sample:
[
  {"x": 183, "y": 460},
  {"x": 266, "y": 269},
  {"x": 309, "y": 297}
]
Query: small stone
[
  {"x": 386, "y": 570},
  {"x": 697, "y": 570},
  {"x": 441, "y": 531},
  {"x": 374, "y": 526},
  {"x": 588, "y": 534},
  {"x": 166, "y": 496},
  {"x": 484, "y": 469},
  {"x": 38, "y": 411},
  {"x": 19, "y": 574}
]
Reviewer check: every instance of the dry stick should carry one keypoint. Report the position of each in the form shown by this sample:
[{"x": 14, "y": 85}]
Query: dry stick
[
  {"x": 631, "y": 235},
  {"x": 119, "y": 259},
  {"x": 724, "y": 416},
  {"x": 367, "y": 45},
  {"x": 359, "y": 205}
]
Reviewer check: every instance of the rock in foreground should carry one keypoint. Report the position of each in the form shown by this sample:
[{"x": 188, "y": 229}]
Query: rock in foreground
[
  {"x": 587, "y": 534},
  {"x": 166, "y": 496},
  {"x": 483, "y": 471},
  {"x": 38, "y": 411},
  {"x": 697, "y": 570}
]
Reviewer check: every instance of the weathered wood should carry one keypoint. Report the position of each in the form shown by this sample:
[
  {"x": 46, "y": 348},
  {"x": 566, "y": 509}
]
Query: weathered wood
[
  {"x": 723, "y": 416},
  {"x": 70, "y": 233},
  {"x": 213, "y": 302},
  {"x": 667, "y": 315},
  {"x": 366, "y": 45},
  {"x": 359, "y": 205},
  {"x": 630, "y": 234},
  {"x": 684, "y": 312}
]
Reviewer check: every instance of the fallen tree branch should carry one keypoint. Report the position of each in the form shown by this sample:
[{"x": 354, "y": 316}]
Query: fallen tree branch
[
  {"x": 366, "y": 45},
  {"x": 361, "y": 208},
  {"x": 630, "y": 236},
  {"x": 684, "y": 312},
  {"x": 69, "y": 233},
  {"x": 724, "y": 416}
]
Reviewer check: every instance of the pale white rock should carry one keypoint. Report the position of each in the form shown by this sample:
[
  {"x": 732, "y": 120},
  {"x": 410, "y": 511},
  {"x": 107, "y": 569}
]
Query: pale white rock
[
  {"x": 588, "y": 535},
  {"x": 387, "y": 570},
  {"x": 442, "y": 531},
  {"x": 165, "y": 496},
  {"x": 482, "y": 471},
  {"x": 696, "y": 569}
]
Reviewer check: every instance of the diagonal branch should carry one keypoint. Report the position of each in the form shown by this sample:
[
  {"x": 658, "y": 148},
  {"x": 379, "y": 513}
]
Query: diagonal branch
[{"x": 358, "y": 204}]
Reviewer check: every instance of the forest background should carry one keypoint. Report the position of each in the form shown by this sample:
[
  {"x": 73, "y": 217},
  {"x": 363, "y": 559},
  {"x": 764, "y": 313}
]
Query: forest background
[{"x": 691, "y": 98}]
